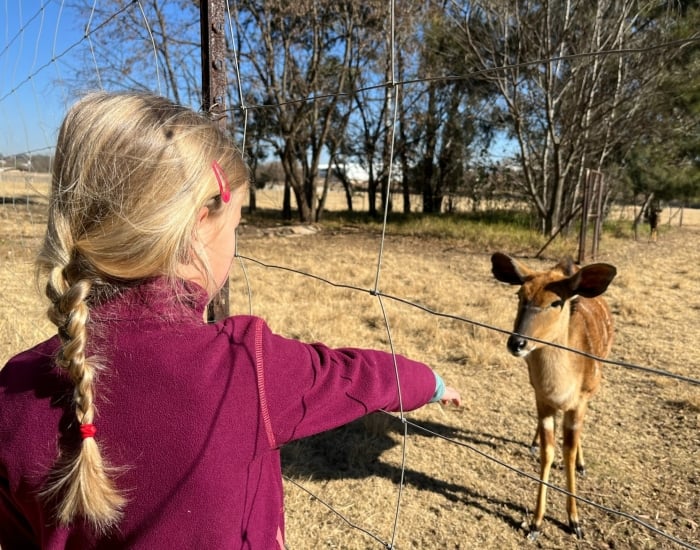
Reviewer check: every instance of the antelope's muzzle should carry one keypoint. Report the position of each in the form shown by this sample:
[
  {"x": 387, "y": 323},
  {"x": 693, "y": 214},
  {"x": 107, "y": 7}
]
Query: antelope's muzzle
[{"x": 517, "y": 345}]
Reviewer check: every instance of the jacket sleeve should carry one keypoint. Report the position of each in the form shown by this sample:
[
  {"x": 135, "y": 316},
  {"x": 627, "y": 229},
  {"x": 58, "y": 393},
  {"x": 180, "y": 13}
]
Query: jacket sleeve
[{"x": 306, "y": 389}]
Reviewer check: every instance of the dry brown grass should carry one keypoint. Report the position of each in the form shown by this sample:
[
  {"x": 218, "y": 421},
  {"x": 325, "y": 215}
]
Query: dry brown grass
[{"x": 642, "y": 435}]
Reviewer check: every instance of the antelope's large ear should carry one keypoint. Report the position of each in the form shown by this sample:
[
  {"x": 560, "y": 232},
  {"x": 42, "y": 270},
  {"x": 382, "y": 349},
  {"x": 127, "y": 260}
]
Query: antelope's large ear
[
  {"x": 592, "y": 280},
  {"x": 508, "y": 270}
]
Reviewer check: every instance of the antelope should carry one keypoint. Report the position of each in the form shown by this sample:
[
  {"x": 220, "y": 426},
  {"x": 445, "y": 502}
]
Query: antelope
[{"x": 561, "y": 306}]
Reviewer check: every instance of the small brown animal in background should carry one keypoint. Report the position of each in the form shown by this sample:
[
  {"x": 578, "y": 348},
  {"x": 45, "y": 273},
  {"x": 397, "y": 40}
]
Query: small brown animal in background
[{"x": 562, "y": 306}]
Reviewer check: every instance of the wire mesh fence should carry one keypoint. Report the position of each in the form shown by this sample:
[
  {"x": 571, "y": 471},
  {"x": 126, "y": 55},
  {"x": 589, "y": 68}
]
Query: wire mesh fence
[{"x": 369, "y": 488}]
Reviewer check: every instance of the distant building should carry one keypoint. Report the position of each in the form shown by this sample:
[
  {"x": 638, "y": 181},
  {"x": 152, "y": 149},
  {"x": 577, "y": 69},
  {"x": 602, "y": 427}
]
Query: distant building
[
  {"x": 353, "y": 171},
  {"x": 22, "y": 163}
]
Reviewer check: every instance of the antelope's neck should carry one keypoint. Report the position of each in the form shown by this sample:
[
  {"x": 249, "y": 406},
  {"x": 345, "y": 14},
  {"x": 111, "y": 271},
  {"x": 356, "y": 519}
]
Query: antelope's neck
[{"x": 554, "y": 377}]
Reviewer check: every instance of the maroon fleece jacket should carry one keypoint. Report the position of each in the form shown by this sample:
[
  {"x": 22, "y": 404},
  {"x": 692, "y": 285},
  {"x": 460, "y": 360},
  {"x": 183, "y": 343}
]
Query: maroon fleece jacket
[{"x": 192, "y": 414}]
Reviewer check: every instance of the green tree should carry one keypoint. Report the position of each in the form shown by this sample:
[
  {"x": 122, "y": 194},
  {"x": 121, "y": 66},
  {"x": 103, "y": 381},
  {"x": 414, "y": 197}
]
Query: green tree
[
  {"x": 446, "y": 123},
  {"x": 665, "y": 163}
]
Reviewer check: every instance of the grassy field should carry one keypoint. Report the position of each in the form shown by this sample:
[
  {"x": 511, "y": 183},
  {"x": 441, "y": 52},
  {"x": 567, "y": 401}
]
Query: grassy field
[{"x": 467, "y": 472}]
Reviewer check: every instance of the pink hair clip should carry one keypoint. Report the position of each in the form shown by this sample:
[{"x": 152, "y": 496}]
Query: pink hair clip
[{"x": 224, "y": 187}]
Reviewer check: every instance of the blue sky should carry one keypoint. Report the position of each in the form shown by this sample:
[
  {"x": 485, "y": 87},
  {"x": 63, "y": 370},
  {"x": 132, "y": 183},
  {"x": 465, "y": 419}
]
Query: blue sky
[
  {"x": 38, "y": 40},
  {"x": 35, "y": 41}
]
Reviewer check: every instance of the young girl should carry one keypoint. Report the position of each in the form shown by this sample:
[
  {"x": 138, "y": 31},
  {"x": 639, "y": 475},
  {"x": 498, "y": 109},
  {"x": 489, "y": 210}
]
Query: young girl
[{"x": 139, "y": 425}]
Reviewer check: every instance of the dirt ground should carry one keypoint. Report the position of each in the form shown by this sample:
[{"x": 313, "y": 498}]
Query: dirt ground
[
  {"x": 468, "y": 473},
  {"x": 459, "y": 478}
]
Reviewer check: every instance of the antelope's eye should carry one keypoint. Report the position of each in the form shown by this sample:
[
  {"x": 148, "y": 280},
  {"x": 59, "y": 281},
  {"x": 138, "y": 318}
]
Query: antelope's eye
[{"x": 557, "y": 303}]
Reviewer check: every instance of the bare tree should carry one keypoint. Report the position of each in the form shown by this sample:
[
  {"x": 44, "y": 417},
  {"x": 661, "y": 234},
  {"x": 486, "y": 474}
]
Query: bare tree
[
  {"x": 573, "y": 99},
  {"x": 298, "y": 60},
  {"x": 148, "y": 45}
]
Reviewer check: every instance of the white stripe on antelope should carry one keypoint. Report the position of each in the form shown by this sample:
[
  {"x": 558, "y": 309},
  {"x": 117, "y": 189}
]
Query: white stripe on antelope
[{"x": 561, "y": 306}]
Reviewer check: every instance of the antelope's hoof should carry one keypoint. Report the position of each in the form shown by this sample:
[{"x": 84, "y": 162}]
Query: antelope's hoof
[
  {"x": 533, "y": 534},
  {"x": 576, "y": 529},
  {"x": 534, "y": 449},
  {"x": 581, "y": 470}
]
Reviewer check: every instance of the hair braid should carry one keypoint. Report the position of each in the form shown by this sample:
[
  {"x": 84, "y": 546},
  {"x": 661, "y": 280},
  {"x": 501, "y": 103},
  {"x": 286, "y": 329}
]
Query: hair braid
[{"x": 80, "y": 481}]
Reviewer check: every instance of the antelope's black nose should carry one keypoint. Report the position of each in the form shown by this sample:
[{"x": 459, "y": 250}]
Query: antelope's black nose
[{"x": 516, "y": 344}]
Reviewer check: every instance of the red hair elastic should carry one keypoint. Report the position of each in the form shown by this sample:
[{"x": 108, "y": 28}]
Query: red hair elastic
[
  {"x": 87, "y": 430},
  {"x": 224, "y": 188}
]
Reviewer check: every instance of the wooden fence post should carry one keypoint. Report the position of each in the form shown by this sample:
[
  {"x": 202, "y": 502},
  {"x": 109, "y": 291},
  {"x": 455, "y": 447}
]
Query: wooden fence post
[
  {"x": 214, "y": 101},
  {"x": 593, "y": 195}
]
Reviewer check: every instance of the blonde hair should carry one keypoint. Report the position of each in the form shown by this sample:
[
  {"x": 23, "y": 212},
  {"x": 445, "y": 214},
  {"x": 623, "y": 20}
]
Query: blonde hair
[{"x": 131, "y": 172}]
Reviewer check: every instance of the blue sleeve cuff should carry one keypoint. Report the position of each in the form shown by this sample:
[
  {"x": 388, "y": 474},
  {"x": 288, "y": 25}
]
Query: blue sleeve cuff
[{"x": 439, "y": 388}]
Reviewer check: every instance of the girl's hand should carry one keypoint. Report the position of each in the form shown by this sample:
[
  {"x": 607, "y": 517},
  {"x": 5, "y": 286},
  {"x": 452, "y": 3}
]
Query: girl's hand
[{"x": 451, "y": 395}]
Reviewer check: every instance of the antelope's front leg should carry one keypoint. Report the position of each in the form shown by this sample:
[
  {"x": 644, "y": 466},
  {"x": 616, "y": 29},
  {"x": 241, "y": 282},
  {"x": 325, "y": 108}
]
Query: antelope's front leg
[
  {"x": 573, "y": 461},
  {"x": 546, "y": 430},
  {"x": 535, "y": 440}
]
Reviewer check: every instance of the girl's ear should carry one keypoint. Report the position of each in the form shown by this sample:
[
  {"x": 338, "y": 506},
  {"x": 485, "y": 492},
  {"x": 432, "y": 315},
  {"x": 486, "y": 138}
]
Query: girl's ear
[
  {"x": 200, "y": 230},
  {"x": 202, "y": 215}
]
